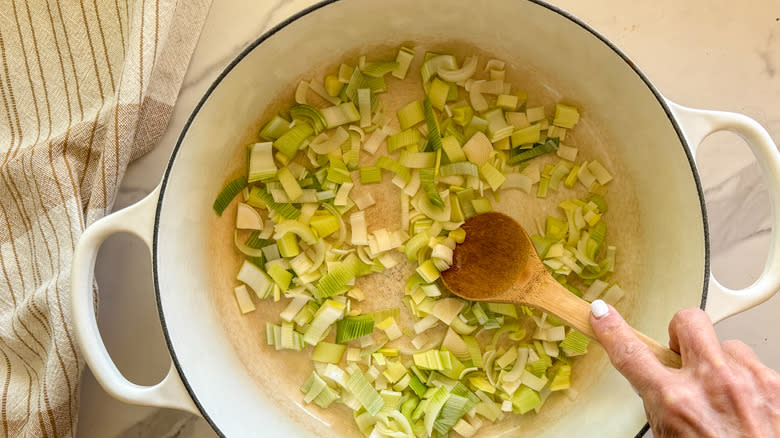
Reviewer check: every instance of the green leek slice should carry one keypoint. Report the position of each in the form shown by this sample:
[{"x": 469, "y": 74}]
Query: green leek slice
[
  {"x": 370, "y": 175},
  {"x": 380, "y": 68},
  {"x": 328, "y": 353},
  {"x": 353, "y": 327},
  {"x": 291, "y": 141},
  {"x": 309, "y": 114},
  {"x": 525, "y": 399},
  {"x": 434, "y": 137},
  {"x": 338, "y": 277},
  {"x": 369, "y": 398},
  {"x": 411, "y": 114},
  {"x": 227, "y": 194},
  {"x": 518, "y": 156},
  {"x": 575, "y": 342},
  {"x": 340, "y": 114},
  {"x": 434, "y": 406},
  {"x": 405, "y": 138},
  {"x": 428, "y": 183},
  {"x": 286, "y": 210},
  {"x": 385, "y": 162},
  {"x": 274, "y": 129}
]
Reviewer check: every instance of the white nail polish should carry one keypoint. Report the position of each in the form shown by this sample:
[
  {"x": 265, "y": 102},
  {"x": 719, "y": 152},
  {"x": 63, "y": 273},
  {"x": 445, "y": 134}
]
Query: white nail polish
[{"x": 599, "y": 308}]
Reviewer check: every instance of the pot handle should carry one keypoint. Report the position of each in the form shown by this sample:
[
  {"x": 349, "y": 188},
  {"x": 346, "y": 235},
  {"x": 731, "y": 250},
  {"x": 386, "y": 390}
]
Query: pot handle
[
  {"x": 137, "y": 219},
  {"x": 697, "y": 124}
]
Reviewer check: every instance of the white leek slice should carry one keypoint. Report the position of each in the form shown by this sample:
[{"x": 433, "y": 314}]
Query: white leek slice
[
  {"x": 375, "y": 140},
  {"x": 598, "y": 171},
  {"x": 478, "y": 101},
  {"x": 414, "y": 184},
  {"x": 535, "y": 114},
  {"x": 494, "y": 64},
  {"x": 361, "y": 388},
  {"x": 342, "y": 195},
  {"x": 328, "y": 313},
  {"x": 261, "y": 162},
  {"x": 532, "y": 172},
  {"x": 461, "y": 74},
  {"x": 326, "y": 143},
  {"x": 448, "y": 309},
  {"x": 423, "y": 204},
  {"x": 567, "y": 152},
  {"x": 404, "y": 59},
  {"x": 455, "y": 344},
  {"x": 517, "y": 181},
  {"x": 317, "y": 87},
  {"x": 426, "y": 323},
  {"x": 247, "y": 218},
  {"x": 478, "y": 148},
  {"x": 364, "y": 106},
  {"x": 243, "y": 299},
  {"x": 244, "y": 248},
  {"x": 362, "y": 199},
  {"x": 292, "y": 309},
  {"x": 433, "y": 408},
  {"x": 533, "y": 382},
  {"x": 595, "y": 290},
  {"x": 434, "y": 65},
  {"x": 297, "y": 228},
  {"x": 519, "y": 367},
  {"x": 357, "y": 222},
  {"x": 613, "y": 294},
  {"x": 340, "y": 114},
  {"x": 255, "y": 278},
  {"x": 300, "y": 92},
  {"x": 585, "y": 176}
]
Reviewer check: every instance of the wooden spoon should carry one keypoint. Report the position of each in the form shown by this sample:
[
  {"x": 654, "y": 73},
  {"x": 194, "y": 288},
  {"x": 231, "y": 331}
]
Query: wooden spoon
[{"x": 498, "y": 263}]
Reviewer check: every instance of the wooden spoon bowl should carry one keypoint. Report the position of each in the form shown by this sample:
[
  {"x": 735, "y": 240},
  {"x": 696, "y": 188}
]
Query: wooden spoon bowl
[{"x": 497, "y": 262}]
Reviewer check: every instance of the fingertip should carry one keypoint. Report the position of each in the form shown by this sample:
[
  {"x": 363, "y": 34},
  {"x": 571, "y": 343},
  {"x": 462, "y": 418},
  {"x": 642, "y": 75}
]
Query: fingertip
[{"x": 599, "y": 309}]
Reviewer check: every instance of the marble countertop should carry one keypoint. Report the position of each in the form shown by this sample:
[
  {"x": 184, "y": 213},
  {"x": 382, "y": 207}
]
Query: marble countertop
[{"x": 702, "y": 53}]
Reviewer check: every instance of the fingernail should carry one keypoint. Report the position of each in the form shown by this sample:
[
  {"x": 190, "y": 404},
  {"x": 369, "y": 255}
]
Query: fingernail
[{"x": 599, "y": 308}]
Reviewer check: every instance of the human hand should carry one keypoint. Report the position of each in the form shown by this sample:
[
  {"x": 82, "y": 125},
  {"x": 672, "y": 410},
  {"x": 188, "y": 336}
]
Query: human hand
[{"x": 722, "y": 389}]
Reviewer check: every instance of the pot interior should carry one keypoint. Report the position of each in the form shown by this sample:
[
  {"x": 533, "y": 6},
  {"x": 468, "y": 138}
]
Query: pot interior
[{"x": 655, "y": 215}]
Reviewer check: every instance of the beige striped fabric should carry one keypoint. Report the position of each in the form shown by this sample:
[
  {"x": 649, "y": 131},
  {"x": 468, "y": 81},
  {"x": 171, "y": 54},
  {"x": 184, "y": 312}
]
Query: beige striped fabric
[{"x": 85, "y": 87}]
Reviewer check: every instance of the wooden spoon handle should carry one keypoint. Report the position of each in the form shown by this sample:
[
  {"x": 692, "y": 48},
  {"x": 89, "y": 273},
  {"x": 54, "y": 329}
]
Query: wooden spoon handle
[{"x": 559, "y": 301}]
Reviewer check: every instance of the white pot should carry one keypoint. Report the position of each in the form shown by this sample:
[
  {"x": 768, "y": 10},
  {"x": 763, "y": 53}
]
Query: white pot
[{"x": 221, "y": 369}]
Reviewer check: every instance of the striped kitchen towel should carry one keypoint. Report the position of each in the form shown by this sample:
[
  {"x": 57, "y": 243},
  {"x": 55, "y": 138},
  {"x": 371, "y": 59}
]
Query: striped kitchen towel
[{"x": 85, "y": 87}]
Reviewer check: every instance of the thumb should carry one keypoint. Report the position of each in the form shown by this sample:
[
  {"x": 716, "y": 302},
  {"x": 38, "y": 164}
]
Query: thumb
[{"x": 628, "y": 354}]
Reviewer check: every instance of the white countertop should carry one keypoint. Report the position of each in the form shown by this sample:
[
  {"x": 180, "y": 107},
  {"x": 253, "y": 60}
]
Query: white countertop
[{"x": 712, "y": 54}]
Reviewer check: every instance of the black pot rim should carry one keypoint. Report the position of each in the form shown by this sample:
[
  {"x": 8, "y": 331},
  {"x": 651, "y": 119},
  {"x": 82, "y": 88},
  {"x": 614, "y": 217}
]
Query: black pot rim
[{"x": 659, "y": 97}]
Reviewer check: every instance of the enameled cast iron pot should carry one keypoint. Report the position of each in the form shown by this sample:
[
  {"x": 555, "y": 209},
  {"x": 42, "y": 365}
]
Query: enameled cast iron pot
[{"x": 222, "y": 371}]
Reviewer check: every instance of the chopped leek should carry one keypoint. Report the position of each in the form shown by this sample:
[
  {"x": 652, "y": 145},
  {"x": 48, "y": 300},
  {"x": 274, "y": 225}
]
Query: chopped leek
[
  {"x": 328, "y": 353},
  {"x": 434, "y": 138},
  {"x": 290, "y": 142},
  {"x": 518, "y": 155},
  {"x": 243, "y": 299},
  {"x": 308, "y": 113},
  {"x": 411, "y": 114},
  {"x": 403, "y": 60},
  {"x": 361, "y": 388},
  {"x": 428, "y": 184},
  {"x": 309, "y": 244},
  {"x": 261, "y": 162},
  {"x": 227, "y": 194},
  {"x": 566, "y": 116},
  {"x": 328, "y": 313},
  {"x": 353, "y": 327}
]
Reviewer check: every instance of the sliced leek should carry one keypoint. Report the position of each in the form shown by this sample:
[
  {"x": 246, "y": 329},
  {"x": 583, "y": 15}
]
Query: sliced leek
[{"x": 314, "y": 231}]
